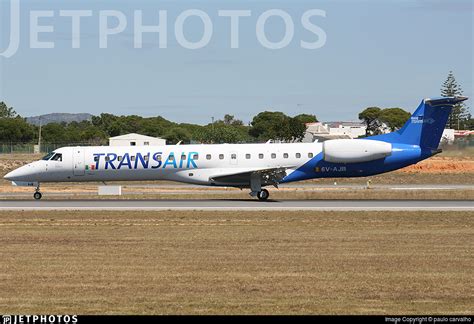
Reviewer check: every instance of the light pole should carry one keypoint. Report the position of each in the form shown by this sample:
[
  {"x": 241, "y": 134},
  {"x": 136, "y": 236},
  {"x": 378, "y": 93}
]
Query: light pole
[
  {"x": 212, "y": 128},
  {"x": 298, "y": 108},
  {"x": 39, "y": 136}
]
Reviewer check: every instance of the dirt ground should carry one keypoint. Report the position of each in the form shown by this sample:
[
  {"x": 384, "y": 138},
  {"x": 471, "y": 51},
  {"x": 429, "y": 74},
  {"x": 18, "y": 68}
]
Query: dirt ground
[
  {"x": 442, "y": 164},
  {"x": 237, "y": 262}
]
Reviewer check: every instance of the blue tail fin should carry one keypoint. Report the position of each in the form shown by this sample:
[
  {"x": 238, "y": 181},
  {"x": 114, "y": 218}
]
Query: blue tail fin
[{"x": 425, "y": 127}]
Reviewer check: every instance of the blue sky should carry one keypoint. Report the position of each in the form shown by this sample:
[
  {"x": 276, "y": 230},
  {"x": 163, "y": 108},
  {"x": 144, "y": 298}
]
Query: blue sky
[{"x": 387, "y": 54}]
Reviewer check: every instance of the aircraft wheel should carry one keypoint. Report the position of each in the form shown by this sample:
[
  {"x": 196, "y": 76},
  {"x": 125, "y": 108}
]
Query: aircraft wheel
[
  {"x": 37, "y": 195},
  {"x": 263, "y": 195}
]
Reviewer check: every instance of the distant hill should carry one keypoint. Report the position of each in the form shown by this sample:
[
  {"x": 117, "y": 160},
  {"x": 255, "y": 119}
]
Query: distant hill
[{"x": 58, "y": 118}]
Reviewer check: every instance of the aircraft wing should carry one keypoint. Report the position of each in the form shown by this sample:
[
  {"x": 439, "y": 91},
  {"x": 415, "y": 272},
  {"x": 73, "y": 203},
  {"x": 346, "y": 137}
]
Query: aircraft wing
[{"x": 268, "y": 176}]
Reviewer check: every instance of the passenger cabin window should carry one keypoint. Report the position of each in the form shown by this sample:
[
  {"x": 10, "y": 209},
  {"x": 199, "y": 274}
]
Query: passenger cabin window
[
  {"x": 132, "y": 158},
  {"x": 248, "y": 156},
  {"x": 208, "y": 157},
  {"x": 233, "y": 156},
  {"x": 274, "y": 156},
  {"x": 171, "y": 158},
  {"x": 285, "y": 155},
  {"x": 196, "y": 157},
  {"x": 146, "y": 143},
  {"x": 133, "y": 143},
  {"x": 48, "y": 156},
  {"x": 57, "y": 157},
  {"x": 119, "y": 158},
  {"x": 96, "y": 158},
  {"x": 183, "y": 157},
  {"x": 221, "y": 156},
  {"x": 310, "y": 155},
  {"x": 260, "y": 156},
  {"x": 158, "y": 158},
  {"x": 298, "y": 155}
]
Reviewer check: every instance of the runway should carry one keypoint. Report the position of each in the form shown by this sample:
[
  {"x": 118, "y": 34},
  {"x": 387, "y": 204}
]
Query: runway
[{"x": 239, "y": 205}]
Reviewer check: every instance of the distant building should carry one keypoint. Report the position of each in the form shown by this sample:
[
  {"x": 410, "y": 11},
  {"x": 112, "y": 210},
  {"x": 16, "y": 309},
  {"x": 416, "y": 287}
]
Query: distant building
[
  {"x": 333, "y": 130},
  {"x": 447, "y": 137},
  {"x": 349, "y": 129},
  {"x": 463, "y": 133},
  {"x": 133, "y": 139},
  {"x": 315, "y": 131}
]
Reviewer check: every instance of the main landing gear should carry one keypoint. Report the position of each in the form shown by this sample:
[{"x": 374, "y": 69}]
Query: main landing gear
[
  {"x": 263, "y": 195},
  {"x": 37, "y": 195},
  {"x": 256, "y": 187}
]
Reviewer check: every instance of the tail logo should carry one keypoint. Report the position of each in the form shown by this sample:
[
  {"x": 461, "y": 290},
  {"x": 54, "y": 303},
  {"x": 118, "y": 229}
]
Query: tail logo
[{"x": 420, "y": 120}]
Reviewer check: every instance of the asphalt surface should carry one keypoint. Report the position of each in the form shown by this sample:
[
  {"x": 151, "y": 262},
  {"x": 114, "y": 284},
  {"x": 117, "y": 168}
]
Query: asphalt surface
[
  {"x": 238, "y": 205},
  {"x": 188, "y": 189}
]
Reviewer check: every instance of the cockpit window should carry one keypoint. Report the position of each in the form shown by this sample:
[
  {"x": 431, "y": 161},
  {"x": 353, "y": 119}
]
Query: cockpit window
[
  {"x": 57, "y": 157},
  {"x": 48, "y": 156}
]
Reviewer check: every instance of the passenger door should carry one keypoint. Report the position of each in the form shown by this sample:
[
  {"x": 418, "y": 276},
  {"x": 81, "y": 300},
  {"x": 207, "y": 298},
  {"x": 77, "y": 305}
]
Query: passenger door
[{"x": 78, "y": 161}]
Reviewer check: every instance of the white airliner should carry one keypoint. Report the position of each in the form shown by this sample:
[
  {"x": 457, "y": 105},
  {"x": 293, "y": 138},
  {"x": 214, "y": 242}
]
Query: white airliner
[{"x": 252, "y": 166}]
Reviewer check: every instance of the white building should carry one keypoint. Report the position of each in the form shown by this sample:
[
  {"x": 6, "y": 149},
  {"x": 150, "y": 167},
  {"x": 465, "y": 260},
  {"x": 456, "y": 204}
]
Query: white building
[
  {"x": 136, "y": 140},
  {"x": 349, "y": 129},
  {"x": 448, "y": 136},
  {"x": 333, "y": 130}
]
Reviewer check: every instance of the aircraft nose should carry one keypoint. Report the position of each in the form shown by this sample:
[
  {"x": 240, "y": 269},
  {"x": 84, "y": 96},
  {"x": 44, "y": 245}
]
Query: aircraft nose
[{"x": 21, "y": 174}]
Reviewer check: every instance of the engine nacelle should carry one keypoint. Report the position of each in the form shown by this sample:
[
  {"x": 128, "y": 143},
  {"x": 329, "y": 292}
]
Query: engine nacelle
[{"x": 355, "y": 150}]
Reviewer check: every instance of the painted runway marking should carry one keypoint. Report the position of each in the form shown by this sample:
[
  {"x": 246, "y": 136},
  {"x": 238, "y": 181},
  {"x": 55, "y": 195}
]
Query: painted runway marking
[
  {"x": 237, "y": 208},
  {"x": 239, "y": 205}
]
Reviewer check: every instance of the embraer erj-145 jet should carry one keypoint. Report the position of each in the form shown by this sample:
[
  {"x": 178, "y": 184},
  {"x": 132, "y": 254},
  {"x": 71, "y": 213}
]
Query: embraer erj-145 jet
[{"x": 252, "y": 166}]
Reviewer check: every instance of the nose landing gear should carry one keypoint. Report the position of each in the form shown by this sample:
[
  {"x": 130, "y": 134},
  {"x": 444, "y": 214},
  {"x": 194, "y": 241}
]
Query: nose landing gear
[{"x": 37, "y": 195}]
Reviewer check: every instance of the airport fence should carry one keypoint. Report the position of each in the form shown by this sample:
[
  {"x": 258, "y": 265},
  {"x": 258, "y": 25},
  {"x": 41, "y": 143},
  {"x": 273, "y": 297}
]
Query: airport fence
[{"x": 33, "y": 148}]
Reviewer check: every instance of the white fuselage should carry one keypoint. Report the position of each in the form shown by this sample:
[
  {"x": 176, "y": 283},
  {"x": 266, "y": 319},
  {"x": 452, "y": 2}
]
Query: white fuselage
[{"x": 196, "y": 164}]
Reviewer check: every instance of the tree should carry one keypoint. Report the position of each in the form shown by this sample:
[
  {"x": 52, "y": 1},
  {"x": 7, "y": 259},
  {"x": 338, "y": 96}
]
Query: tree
[
  {"x": 230, "y": 120},
  {"x": 276, "y": 126},
  {"x": 15, "y": 130},
  {"x": 470, "y": 124},
  {"x": 7, "y": 112},
  {"x": 306, "y": 118},
  {"x": 394, "y": 118},
  {"x": 221, "y": 133},
  {"x": 370, "y": 117},
  {"x": 55, "y": 133},
  {"x": 460, "y": 112},
  {"x": 297, "y": 130},
  {"x": 177, "y": 134}
]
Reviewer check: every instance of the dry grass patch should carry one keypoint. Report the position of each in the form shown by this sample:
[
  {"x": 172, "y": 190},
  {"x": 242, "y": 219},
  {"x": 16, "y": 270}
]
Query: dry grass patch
[{"x": 237, "y": 262}]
